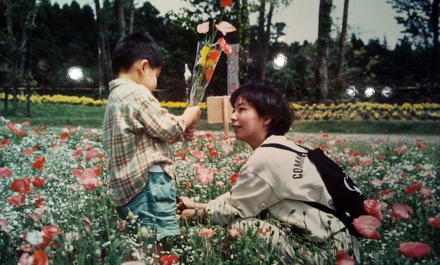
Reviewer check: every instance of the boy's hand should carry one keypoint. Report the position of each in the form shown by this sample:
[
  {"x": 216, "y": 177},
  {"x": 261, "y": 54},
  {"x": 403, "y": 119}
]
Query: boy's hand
[
  {"x": 191, "y": 115},
  {"x": 189, "y": 133}
]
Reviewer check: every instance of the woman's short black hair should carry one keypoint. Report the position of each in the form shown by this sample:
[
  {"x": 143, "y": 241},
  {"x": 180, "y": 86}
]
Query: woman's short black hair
[
  {"x": 134, "y": 47},
  {"x": 268, "y": 103}
]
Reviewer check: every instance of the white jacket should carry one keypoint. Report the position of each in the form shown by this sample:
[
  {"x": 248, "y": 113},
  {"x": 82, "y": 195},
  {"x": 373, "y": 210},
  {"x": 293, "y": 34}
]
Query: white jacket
[{"x": 278, "y": 180}]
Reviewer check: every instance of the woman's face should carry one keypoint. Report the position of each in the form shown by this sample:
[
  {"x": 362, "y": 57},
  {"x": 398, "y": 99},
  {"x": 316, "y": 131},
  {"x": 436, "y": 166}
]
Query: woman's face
[{"x": 248, "y": 126}]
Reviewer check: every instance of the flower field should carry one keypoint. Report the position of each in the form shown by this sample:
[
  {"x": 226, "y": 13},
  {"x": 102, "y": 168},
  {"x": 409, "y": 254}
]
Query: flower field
[
  {"x": 56, "y": 206},
  {"x": 313, "y": 112}
]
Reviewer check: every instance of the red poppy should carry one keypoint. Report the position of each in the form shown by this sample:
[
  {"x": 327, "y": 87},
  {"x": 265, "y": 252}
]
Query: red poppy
[
  {"x": 39, "y": 202},
  {"x": 169, "y": 259},
  {"x": 401, "y": 211},
  {"x": 17, "y": 200},
  {"x": 5, "y": 142},
  {"x": 122, "y": 226},
  {"x": 39, "y": 163},
  {"x": 40, "y": 258},
  {"x": 234, "y": 177},
  {"x": 38, "y": 182},
  {"x": 5, "y": 172},
  {"x": 367, "y": 225},
  {"x": 373, "y": 207},
  {"x": 51, "y": 230},
  {"x": 325, "y": 135},
  {"x": 414, "y": 249},
  {"x": 412, "y": 189},
  {"x": 342, "y": 258},
  {"x": 226, "y": 3},
  {"x": 63, "y": 138},
  {"x": 21, "y": 185},
  {"x": 434, "y": 222},
  {"x": 213, "y": 153}
]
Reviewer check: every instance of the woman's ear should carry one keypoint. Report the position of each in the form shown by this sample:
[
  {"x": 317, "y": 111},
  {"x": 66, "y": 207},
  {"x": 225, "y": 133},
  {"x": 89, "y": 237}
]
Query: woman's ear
[{"x": 267, "y": 121}]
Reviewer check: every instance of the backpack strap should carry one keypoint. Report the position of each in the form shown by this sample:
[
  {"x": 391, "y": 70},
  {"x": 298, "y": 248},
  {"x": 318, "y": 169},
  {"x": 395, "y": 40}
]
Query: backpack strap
[
  {"x": 312, "y": 204},
  {"x": 281, "y": 146}
]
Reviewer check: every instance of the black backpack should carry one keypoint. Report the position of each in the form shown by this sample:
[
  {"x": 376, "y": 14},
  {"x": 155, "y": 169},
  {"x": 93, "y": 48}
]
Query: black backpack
[{"x": 347, "y": 197}]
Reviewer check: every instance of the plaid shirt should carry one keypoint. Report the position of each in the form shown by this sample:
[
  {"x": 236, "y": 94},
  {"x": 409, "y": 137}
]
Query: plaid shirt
[{"x": 136, "y": 132}]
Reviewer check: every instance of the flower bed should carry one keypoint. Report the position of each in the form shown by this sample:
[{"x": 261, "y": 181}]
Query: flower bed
[
  {"x": 343, "y": 111},
  {"x": 55, "y": 203}
]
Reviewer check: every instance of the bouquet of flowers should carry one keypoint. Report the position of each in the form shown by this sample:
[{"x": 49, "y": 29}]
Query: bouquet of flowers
[{"x": 207, "y": 55}]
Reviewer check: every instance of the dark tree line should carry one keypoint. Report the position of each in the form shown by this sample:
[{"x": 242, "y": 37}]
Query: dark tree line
[{"x": 40, "y": 41}]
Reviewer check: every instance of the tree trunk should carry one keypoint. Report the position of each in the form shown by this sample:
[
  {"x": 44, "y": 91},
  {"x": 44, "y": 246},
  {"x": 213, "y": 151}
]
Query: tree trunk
[
  {"x": 340, "y": 74},
  {"x": 131, "y": 18},
  {"x": 244, "y": 38},
  {"x": 119, "y": 4},
  {"x": 102, "y": 46},
  {"x": 434, "y": 21},
  {"x": 263, "y": 38},
  {"x": 324, "y": 29}
]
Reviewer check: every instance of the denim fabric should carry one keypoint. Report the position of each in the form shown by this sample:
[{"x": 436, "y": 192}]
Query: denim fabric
[{"x": 155, "y": 206}]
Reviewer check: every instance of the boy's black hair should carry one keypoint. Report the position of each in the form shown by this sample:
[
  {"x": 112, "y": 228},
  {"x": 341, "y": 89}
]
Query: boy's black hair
[
  {"x": 268, "y": 103},
  {"x": 134, "y": 47}
]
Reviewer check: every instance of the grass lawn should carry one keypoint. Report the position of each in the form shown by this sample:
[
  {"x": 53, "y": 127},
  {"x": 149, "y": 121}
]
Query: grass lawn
[{"x": 60, "y": 115}]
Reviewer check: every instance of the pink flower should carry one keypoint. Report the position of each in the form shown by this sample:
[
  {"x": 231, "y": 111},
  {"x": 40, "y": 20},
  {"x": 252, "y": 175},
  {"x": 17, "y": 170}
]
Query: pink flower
[
  {"x": 402, "y": 211},
  {"x": 234, "y": 232},
  {"x": 203, "y": 27},
  {"x": 225, "y": 27},
  {"x": 5, "y": 172},
  {"x": 376, "y": 182},
  {"x": 367, "y": 225},
  {"x": 224, "y": 46},
  {"x": 204, "y": 175},
  {"x": 414, "y": 249},
  {"x": 373, "y": 208},
  {"x": 4, "y": 226},
  {"x": 17, "y": 200},
  {"x": 434, "y": 222},
  {"x": 207, "y": 232}
]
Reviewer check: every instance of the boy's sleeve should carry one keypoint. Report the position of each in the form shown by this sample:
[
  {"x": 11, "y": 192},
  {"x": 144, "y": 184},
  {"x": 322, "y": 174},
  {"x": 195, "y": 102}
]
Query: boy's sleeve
[{"x": 158, "y": 122}]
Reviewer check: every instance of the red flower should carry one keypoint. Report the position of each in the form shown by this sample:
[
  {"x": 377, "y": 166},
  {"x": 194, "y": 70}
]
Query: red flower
[
  {"x": 263, "y": 231},
  {"x": 39, "y": 163},
  {"x": 213, "y": 153},
  {"x": 401, "y": 210},
  {"x": 414, "y": 249},
  {"x": 434, "y": 222},
  {"x": 367, "y": 225},
  {"x": 5, "y": 172},
  {"x": 17, "y": 200},
  {"x": 51, "y": 230},
  {"x": 40, "y": 258},
  {"x": 63, "y": 138},
  {"x": 122, "y": 226},
  {"x": 234, "y": 177},
  {"x": 226, "y": 3},
  {"x": 39, "y": 202},
  {"x": 412, "y": 189},
  {"x": 169, "y": 259},
  {"x": 38, "y": 182},
  {"x": 373, "y": 207},
  {"x": 344, "y": 259},
  {"x": 5, "y": 142},
  {"x": 21, "y": 185},
  {"x": 91, "y": 154}
]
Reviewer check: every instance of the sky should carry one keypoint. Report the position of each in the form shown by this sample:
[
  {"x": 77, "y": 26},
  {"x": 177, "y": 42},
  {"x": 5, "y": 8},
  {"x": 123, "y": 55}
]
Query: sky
[{"x": 368, "y": 19}]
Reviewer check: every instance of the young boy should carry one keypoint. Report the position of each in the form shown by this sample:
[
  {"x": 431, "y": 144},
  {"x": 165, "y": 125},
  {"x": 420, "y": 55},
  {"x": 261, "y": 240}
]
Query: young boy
[{"x": 137, "y": 133}]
